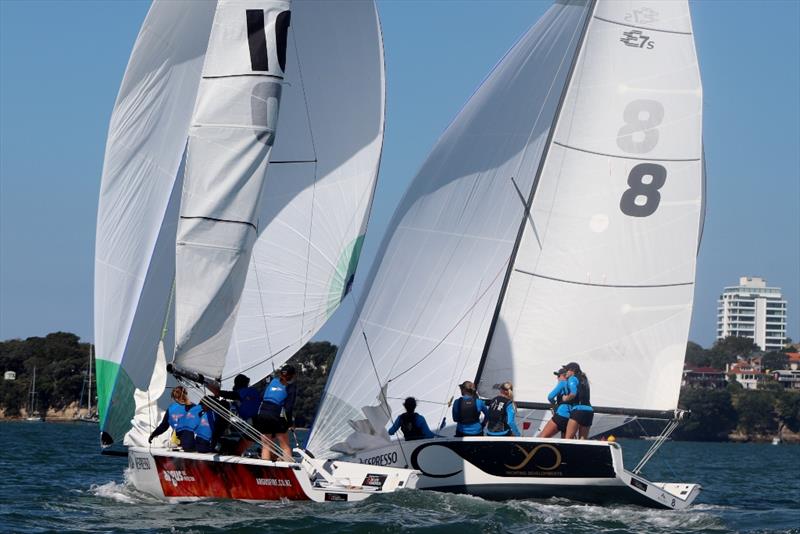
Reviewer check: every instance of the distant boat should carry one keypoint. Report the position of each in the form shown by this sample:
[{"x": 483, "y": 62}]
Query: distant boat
[
  {"x": 91, "y": 416},
  {"x": 33, "y": 414},
  {"x": 776, "y": 441}
]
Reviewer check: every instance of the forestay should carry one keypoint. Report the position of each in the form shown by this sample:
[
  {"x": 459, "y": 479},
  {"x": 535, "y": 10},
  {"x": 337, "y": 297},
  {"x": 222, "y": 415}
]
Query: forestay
[
  {"x": 422, "y": 325},
  {"x": 319, "y": 186},
  {"x": 137, "y": 211},
  {"x": 604, "y": 274}
]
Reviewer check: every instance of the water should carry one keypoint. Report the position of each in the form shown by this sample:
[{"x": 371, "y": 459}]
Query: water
[{"x": 54, "y": 480}]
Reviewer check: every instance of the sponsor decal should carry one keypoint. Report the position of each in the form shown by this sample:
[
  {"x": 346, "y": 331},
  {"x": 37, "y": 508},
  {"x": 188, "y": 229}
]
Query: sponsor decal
[
  {"x": 642, "y": 16},
  {"x": 375, "y": 481},
  {"x": 335, "y": 496},
  {"x": 555, "y": 457},
  {"x": 390, "y": 458},
  {"x": 274, "y": 482},
  {"x": 141, "y": 463},
  {"x": 639, "y": 484},
  {"x": 177, "y": 476},
  {"x": 637, "y": 39}
]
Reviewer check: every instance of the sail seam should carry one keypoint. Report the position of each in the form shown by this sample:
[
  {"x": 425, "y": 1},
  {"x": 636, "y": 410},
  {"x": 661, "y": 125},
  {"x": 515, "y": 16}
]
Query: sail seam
[
  {"x": 294, "y": 161},
  {"x": 642, "y": 27},
  {"x": 629, "y": 286},
  {"x": 622, "y": 157},
  {"x": 250, "y": 74},
  {"x": 214, "y": 219}
]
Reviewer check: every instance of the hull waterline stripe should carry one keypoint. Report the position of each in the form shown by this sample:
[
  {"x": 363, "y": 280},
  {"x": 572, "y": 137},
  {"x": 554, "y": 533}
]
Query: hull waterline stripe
[
  {"x": 621, "y": 157},
  {"x": 642, "y": 27},
  {"x": 638, "y": 286}
]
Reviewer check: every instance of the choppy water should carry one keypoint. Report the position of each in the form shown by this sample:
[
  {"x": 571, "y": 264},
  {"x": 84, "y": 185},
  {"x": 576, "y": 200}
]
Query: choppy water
[{"x": 52, "y": 479}]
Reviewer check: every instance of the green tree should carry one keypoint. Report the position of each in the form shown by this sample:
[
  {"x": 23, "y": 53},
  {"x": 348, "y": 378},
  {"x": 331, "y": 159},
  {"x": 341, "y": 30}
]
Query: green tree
[
  {"x": 712, "y": 415},
  {"x": 727, "y": 350},
  {"x": 774, "y": 361},
  {"x": 756, "y": 410},
  {"x": 696, "y": 355},
  {"x": 787, "y": 406}
]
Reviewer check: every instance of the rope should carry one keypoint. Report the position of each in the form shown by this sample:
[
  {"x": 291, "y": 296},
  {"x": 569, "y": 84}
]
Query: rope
[{"x": 662, "y": 438}]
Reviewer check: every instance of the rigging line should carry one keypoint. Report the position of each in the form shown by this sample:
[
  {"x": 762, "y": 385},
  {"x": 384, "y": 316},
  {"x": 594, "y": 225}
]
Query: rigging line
[
  {"x": 381, "y": 392},
  {"x": 256, "y": 364},
  {"x": 623, "y": 157},
  {"x": 261, "y": 303},
  {"x": 619, "y": 286},
  {"x": 584, "y": 28},
  {"x": 463, "y": 316}
]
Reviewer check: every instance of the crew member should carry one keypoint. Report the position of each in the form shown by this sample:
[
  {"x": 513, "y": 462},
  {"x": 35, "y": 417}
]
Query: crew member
[
  {"x": 279, "y": 396},
  {"x": 205, "y": 437},
  {"x": 413, "y": 425},
  {"x": 179, "y": 417},
  {"x": 581, "y": 413},
  {"x": 561, "y": 409},
  {"x": 467, "y": 410},
  {"x": 247, "y": 401},
  {"x": 501, "y": 420}
]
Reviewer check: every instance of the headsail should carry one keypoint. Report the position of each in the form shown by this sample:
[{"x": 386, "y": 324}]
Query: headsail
[
  {"x": 604, "y": 274},
  {"x": 423, "y": 323},
  {"x": 320, "y": 181},
  {"x": 134, "y": 251}
]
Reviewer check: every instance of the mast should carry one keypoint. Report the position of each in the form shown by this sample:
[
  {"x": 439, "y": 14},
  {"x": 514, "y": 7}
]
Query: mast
[
  {"x": 89, "y": 413},
  {"x": 529, "y": 201}
]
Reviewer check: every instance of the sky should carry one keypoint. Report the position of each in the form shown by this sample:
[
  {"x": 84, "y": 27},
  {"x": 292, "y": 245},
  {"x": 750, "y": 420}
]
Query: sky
[{"x": 61, "y": 64}]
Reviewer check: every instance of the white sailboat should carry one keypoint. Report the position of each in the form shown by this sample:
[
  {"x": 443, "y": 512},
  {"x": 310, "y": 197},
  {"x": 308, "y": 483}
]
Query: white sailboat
[
  {"x": 557, "y": 219},
  {"x": 90, "y": 416},
  {"x": 32, "y": 413},
  {"x": 241, "y": 161}
]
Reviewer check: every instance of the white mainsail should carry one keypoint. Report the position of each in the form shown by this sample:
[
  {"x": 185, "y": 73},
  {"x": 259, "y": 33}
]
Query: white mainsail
[
  {"x": 604, "y": 274},
  {"x": 422, "y": 325},
  {"x": 137, "y": 212},
  {"x": 599, "y": 270},
  {"x": 320, "y": 182}
]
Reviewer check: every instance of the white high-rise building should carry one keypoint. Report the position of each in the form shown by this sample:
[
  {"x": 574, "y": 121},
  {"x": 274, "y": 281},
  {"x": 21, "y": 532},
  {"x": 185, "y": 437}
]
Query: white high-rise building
[{"x": 753, "y": 310}]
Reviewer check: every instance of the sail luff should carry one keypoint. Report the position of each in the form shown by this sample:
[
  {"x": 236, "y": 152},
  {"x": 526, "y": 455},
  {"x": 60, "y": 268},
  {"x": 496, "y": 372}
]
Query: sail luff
[{"x": 529, "y": 199}]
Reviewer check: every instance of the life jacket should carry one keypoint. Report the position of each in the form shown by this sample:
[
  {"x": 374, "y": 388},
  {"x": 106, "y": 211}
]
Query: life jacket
[
  {"x": 275, "y": 392},
  {"x": 249, "y": 401},
  {"x": 408, "y": 424},
  {"x": 181, "y": 417},
  {"x": 205, "y": 422},
  {"x": 468, "y": 411},
  {"x": 583, "y": 396},
  {"x": 497, "y": 420}
]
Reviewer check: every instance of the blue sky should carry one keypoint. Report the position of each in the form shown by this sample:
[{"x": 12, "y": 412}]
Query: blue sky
[{"x": 61, "y": 64}]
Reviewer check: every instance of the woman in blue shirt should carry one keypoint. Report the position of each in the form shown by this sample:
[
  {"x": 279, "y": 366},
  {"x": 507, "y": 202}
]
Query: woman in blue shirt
[
  {"x": 467, "y": 410},
  {"x": 581, "y": 413},
  {"x": 561, "y": 409},
  {"x": 413, "y": 425},
  {"x": 180, "y": 417}
]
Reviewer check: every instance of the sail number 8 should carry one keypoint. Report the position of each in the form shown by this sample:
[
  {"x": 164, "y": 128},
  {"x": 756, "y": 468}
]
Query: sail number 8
[{"x": 639, "y": 135}]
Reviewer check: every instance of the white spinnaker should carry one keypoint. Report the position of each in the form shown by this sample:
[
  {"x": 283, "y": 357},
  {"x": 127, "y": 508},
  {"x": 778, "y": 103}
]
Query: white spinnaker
[
  {"x": 319, "y": 185},
  {"x": 604, "y": 275},
  {"x": 232, "y": 133},
  {"x": 435, "y": 284},
  {"x": 134, "y": 251}
]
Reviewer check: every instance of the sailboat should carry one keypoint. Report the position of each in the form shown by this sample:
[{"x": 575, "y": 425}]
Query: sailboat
[
  {"x": 240, "y": 166},
  {"x": 90, "y": 416},
  {"x": 33, "y": 413},
  {"x": 557, "y": 219}
]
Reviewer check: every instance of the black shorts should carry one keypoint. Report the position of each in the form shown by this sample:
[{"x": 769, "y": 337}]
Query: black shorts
[
  {"x": 561, "y": 422},
  {"x": 270, "y": 424},
  {"x": 583, "y": 417}
]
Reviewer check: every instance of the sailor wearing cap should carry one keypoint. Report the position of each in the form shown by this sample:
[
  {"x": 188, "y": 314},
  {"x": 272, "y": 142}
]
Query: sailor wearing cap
[
  {"x": 561, "y": 409},
  {"x": 581, "y": 413},
  {"x": 467, "y": 410}
]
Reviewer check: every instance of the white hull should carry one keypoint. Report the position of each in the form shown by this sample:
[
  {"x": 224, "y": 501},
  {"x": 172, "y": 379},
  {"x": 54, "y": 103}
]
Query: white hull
[
  {"x": 185, "y": 476},
  {"x": 518, "y": 468}
]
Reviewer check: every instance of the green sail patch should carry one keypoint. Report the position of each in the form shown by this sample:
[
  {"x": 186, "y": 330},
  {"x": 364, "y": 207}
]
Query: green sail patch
[
  {"x": 115, "y": 402},
  {"x": 342, "y": 277}
]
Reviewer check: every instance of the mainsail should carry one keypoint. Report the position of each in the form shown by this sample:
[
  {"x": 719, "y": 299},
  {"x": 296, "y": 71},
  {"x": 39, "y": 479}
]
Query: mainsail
[
  {"x": 190, "y": 137},
  {"x": 556, "y": 219}
]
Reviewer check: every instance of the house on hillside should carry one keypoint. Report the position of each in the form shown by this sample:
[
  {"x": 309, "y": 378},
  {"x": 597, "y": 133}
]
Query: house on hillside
[
  {"x": 747, "y": 373},
  {"x": 703, "y": 377},
  {"x": 789, "y": 378}
]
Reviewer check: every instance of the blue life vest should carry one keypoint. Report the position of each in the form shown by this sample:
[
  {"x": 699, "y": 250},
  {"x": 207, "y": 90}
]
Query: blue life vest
[
  {"x": 276, "y": 392},
  {"x": 205, "y": 422},
  {"x": 180, "y": 418},
  {"x": 249, "y": 401}
]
